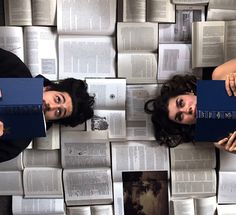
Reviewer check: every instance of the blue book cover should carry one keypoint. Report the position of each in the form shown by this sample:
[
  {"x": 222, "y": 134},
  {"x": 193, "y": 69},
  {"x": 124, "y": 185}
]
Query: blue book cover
[
  {"x": 21, "y": 108},
  {"x": 216, "y": 111}
]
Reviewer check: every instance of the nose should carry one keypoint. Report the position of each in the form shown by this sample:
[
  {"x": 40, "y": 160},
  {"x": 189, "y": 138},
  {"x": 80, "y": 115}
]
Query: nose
[
  {"x": 54, "y": 106},
  {"x": 187, "y": 110}
]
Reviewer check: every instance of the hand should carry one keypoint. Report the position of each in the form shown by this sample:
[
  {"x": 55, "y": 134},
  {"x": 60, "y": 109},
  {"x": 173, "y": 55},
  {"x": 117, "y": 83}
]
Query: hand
[
  {"x": 228, "y": 143},
  {"x": 1, "y": 128},
  {"x": 230, "y": 84}
]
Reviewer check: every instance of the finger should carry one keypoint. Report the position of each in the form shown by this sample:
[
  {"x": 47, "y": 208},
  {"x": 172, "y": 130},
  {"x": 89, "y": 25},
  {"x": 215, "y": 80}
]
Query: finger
[
  {"x": 232, "y": 83},
  {"x": 223, "y": 141},
  {"x": 233, "y": 146},
  {"x": 227, "y": 86},
  {"x": 230, "y": 141},
  {"x": 1, "y": 128}
]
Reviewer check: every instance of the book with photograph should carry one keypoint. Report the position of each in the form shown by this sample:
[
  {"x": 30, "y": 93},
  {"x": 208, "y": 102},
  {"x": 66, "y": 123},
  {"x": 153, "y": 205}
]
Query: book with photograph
[
  {"x": 109, "y": 110},
  {"x": 145, "y": 192}
]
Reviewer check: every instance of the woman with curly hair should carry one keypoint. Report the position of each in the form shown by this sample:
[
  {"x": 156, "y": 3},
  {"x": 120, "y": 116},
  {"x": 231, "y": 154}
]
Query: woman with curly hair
[{"x": 174, "y": 109}]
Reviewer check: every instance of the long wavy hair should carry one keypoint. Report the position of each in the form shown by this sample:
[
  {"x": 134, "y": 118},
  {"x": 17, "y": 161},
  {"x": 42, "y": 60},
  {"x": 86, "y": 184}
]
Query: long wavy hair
[{"x": 165, "y": 130}]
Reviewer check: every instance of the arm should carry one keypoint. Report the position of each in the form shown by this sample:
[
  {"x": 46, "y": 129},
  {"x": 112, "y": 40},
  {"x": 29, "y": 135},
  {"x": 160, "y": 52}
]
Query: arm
[{"x": 223, "y": 70}]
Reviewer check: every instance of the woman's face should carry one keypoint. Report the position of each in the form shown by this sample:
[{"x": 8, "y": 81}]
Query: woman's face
[
  {"x": 182, "y": 109},
  {"x": 56, "y": 105}
]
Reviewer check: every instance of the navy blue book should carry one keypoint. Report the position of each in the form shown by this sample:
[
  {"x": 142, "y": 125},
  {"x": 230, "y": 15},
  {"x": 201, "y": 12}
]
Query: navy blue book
[
  {"x": 216, "y": 111},
  {"x": 21, "y": 109}
]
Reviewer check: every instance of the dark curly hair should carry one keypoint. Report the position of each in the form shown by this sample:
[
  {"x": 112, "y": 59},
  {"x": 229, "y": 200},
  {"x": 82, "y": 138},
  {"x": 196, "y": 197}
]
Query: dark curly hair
[
  {"x": 165, "y": 130},
  {"x": 82, "y": 102}
]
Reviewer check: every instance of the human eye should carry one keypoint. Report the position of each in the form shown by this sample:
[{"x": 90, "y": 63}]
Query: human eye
[
  {"x": 58, "y": 112},
  {"x": 58, "y": 99},
  {"x": 180, "y": 102},
  {"x": 179, "y": 116}
]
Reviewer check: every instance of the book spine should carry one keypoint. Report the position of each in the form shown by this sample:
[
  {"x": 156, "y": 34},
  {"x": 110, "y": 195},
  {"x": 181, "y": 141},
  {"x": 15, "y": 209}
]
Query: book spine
[
  {"x": 216, "y": 114},
  {"x": 21, "y": 109}
]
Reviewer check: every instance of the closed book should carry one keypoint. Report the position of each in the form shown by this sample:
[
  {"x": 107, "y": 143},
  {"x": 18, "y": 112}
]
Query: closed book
[
  {"x": 21, "y": 109},
  {"x": 216, "y": 111}
]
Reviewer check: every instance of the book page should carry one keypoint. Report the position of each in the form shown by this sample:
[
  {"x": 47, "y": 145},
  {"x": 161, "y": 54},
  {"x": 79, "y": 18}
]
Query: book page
[
  {"x": 130, "y": 37},
  {"x": 190, "y": 1},
  {"x": 11, "y": 183},
  {"x": 86, "y": 17},
  {"x": 102, "y": 210},
  {"x": 22, "y": 205},
  {"x": 138, "y": 123},
  {"x": 11, "y": 39},
  {"x": 81, "y": 57},
  {"x": 44, "y": 12},
  {"x": 205, "y": 205},
  {"x": 226, "y": 209},
  {"x": 137, "y": 156},
  {"x": 41, "y": 158},
  {"x": 226, "y": 188},
  {"x": 51, "y": 141},
  {"x": 224, "y": 5},
  {"x": 85, "y": 151},
  {"x": 230, "y": 40},
  {"x": 134, "y": 10},
  {"x": 137, "y": 67},
  {"x": 160, "y": 11},
  {"x": 183, "y": 206},
  {"x": 193, "y": 156},
  {"x": 208, "y": 43},
  {"x": 13, "y": 164},
  {"x": 112, "y": 121},
  {"x": 227, "y": 161},
  {"x": 82, "y": 210},
  {"x": 193, "y": 182},
  {"x": 42, "y": 182},
  {"x": 181, "y": 31},
  {"x": 41, "y": 51},
  {"x": 108, "y": 93},
  {"x": 221, "y": 15},
  {"x": 87, "y": 186},
  {"x": 175, "y": 60},
  {"x": 118, "y": 198},
  {"x": 18, "y": 12}
]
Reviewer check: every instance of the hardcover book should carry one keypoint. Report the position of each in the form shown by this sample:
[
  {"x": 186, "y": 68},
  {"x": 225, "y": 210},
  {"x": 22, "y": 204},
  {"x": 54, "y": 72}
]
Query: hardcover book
[
  {"x": 216, "y": 111},
  {"x": 21, "y": 108}
]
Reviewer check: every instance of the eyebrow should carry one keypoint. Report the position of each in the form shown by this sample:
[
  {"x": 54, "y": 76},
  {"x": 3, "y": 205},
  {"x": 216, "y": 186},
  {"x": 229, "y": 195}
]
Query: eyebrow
[{"x": 63, "y": 100}]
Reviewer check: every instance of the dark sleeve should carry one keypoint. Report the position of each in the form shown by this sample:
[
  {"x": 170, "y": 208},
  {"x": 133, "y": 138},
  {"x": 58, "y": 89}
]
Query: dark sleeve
[
  {"x": 11, "y": 148},
  {"x": 11, "y": 66}
]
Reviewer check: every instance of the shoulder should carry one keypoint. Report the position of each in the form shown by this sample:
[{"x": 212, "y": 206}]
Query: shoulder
[{"x": 12, "y": 66}]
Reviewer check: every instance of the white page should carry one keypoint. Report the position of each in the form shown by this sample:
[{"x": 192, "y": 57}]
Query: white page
[
  {"x": 82, "y": 210},
  {"x": 86, "y": 17},
  {"x": 189, "y": 1},
  {"x": 226, "y": 209},
  {"x": 175, "y": 60},
  {"x": 21, "y": 205},
  {"x": 134, "y": 10},
  {"x": 183, "y": 206},
  {"x": 13, "y": 164},
  {"x": 137, "y": 156},
  {"x": 160, "y": 11},
  {"x": 81, "y": 57},
  {"x": 87, "y": 186},
  {"x": 227, "y": 188},
  {"x": 42, "y": 182},
  {"x": 118, "y": 198},
  {"x": 41, "y": 51},
  {"x": 84, "y": 152},
  {"x": 137, "y": 67},
  {"x": 108, "y": 93},
  {"x": 11, "y": 39},
  {"x": 221, "y": 15},
  {"x": 111, "y": 120},
  {"x": 11, "y": 183},
  {"x": 41, "y": 158},
  {"x": 44, "y": 12},
  {"x": 219, "y": 4},
  {"x": 205, "y": 205},
  {"x": 230, "y": 40},
  {"x": 102, "y": 210},
  {"x": 138, "y": 123},
  {"x": 131, "y": 37}
]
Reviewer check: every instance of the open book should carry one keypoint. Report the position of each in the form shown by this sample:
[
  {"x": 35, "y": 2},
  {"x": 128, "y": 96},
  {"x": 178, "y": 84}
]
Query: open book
[
  {"x": 109, "y": 110},
  {"x": 213, "y": 43},
  {"x": 221, "y": 10},
  {"x": 86, "y": 17},
  {"x": 138, "y": 123},
  {"x": 192, "y": 170},
  {"x": 137, "y": 61},
  {"x": 87, "y": 173},
  {"x": 23, "y": 206},
  {"x": 194, "y": 206},
  {"x": 190, "y": 1},
  {"x": 90, "y": 210},
  {"x": 227, "y": 174},
  {"x": 30, "y": 12},
  {"x": 144, "y": 157},
  {"x": 148, "y": 11}
]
